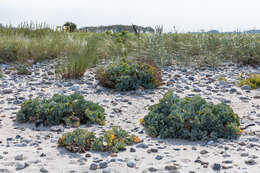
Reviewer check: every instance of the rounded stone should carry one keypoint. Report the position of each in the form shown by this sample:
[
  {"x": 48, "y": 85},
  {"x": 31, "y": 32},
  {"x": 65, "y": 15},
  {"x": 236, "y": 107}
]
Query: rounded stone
[{"x": 131, "y": 164}]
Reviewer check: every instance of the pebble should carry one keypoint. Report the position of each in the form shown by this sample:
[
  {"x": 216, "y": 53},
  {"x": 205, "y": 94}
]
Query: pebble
[
  {"x": 159, "y": 157},
  {"x": 103, "y": 165},
  {"x": 250, "y": 162},
  {"x": 132, "y": 150},
  {"x": 246, "y": 87},
  {"x": 43, "y": 170},
  {"x": 93, "y": 166},
  {"x": 170, "y": 167},
  {"x": 131, "y": 164},
  {"x": 216, "y": 167},
  {"x": 19, "y": 157},
  {"x": 152, "y": 169},
  {"x": 244, "y": 154},
  {"x": 204, "y": 152},
  {"x": 106, "y": 170},
  {"x": 142, "y": 145},
  {"x": 7, "y": 91},
  {"x": 21, "y": 165}
]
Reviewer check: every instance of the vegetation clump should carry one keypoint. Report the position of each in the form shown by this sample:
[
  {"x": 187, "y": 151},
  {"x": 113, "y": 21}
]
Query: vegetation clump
[
  {"x": 222, "y": 78},
  {"x": 75, "y": 65},
  {"x": 70, "y": 110},
  {"x": 191, "y": 118},
  {"x": 23, "y": 70},
  {"x": 253, "y": 80},
  {"x": 130, "y": 75},
  {"x": 81, "y": 140}
]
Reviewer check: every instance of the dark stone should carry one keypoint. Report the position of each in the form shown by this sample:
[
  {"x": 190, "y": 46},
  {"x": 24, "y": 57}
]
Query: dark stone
[
  {"x": 103, "y": 165},
  {"x": 152, "y": 169},
  {"x": 93, "y": 166},
  {"x": 216, "y": 167}
]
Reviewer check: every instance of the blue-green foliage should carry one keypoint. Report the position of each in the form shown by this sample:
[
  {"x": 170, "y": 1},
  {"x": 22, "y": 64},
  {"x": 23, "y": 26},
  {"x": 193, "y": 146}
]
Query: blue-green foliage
[
  {"x": 129, "y": 75},
  {"x": 81, "y": 140},
  {"x": 61, "y": 109},
  {"x": 191, "y": 118}
]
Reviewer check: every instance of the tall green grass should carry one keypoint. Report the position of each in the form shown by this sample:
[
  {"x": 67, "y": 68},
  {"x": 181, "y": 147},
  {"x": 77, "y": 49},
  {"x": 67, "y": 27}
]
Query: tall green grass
[
  {"x": 212, "y": 49},
  {"x": 30, "y": 42}
]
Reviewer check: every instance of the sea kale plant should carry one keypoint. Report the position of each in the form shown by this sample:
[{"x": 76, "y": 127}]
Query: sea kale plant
[
  {"x": 81, "y": 140},
  {"x": 70, "y": 110},
  {"x": 191, "y": 118},
  {"x": 129, "y": 75}
]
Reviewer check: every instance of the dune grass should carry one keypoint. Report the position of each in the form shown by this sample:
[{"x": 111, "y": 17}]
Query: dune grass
[
  {"x": 253, "y": 80},
  {"x": 32, "y": 43}
]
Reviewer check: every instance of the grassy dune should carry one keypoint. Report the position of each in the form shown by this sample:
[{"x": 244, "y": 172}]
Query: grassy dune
[{"x": 31, "y": 43}]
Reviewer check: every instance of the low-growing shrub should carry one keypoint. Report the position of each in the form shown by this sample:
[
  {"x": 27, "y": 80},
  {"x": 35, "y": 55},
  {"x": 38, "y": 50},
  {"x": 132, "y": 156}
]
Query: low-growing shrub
[
  {"x": 70, "y": 110},
  {"x": 191, "y": 118},
  {"x": 129, "y": 75},
  {"x": 81, "y": 140},
  {"x": 1, "y": 75},
  {"x": 253, "y": 80}
]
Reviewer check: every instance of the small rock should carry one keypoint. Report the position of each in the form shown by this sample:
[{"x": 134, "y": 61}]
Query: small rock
[
  {"x": 19, "y": 157},
  {"x": 131, "y": 164},
  {"x": 210, "y": 142},
  {"x": 4, "y": 171},
  {"x": 87, "y": 155},
  {"x": 171, "y": 167},
  {"x": 132, "y": 150},
  {"x": 152, "y": 169},
  {"x": 75, "y": 87},
  {"x": 158, "y": 157},
  {"x": 216, "y": 167},
  {"x": 43, "y": 170},
  {"x": 103, "y": 165},
  {"x": 142, "y": 145},
  {"x": 193, "y": 148},
  {"x": 204, "y": 152},
  {"x": 57, "y": 129},
  {"x": 246, "y": 87},
  {"x": 93, "y": 166},
  {"x": 106, "y": 170},
  {"x": 154, "y": 150},
  {"x": 21, "y": 165},
  {"x": 7, "y": 91},
  {"x": 250, "y": 162},
  {"x": 244, "y": 154}
]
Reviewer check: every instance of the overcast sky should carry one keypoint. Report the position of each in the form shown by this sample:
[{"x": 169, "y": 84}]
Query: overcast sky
[{"x": 185, "y": 15}]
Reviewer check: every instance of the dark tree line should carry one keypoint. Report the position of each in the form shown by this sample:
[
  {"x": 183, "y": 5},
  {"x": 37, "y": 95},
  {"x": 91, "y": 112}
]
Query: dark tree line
[{"x": 118, "y": 28}]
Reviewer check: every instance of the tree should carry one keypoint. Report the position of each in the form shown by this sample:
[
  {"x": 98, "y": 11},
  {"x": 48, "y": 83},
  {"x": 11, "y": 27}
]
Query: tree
[{"x": 72, "y": 26}]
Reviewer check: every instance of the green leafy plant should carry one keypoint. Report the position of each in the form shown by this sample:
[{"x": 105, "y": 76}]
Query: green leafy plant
[
  {"x": 1, "y": 75},
  {"x": 70, "y": 110},
  {"x": 81, "y": 140},
  {"x": 253, "y": 80},
  {"x": 129, "y": 75},
  {"x": 191, "y": 118}
]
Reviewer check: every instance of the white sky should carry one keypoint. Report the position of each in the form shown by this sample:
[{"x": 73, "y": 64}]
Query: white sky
[{"x": 186, "y": 15}]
